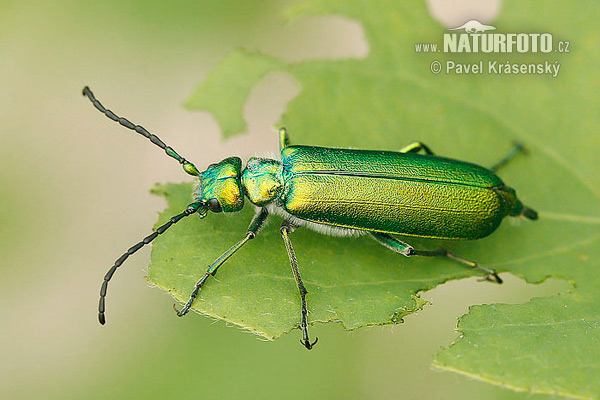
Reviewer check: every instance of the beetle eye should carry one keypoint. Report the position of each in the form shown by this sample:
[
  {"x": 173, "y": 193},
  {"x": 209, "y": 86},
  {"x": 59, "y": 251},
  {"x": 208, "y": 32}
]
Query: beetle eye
[{"x": 214, "y": 206}]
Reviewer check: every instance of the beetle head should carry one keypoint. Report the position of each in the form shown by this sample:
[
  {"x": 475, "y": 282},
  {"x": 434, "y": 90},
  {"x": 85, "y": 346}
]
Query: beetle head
[{"x": 219, "y": 186}]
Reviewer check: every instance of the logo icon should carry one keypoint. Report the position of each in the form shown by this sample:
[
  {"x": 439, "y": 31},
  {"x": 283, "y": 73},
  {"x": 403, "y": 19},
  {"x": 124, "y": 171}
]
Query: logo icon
[{"x": 473, "y": 26}]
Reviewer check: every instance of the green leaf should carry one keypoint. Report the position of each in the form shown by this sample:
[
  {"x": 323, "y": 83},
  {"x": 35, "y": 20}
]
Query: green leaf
[{"x": 549, "y": 345}]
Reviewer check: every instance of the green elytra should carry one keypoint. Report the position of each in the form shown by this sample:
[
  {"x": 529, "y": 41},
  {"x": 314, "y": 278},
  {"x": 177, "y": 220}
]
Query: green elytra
[{"x": 345, "y": 193}]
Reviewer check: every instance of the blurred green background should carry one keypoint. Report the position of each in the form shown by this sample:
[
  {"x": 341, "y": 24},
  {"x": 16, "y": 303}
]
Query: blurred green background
[{"x": 75, "y": 195}]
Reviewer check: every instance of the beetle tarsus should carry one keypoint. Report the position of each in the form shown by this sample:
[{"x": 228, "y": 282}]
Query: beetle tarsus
[
  {"x": 306, "y": 343},
  {"x": 180, "y": 313},
  {"x": 497, "y": 278},
  {"x": 491, "y": 274},
  {"x": 519, "y": 147},
  {"x": 493, "y": 277}
]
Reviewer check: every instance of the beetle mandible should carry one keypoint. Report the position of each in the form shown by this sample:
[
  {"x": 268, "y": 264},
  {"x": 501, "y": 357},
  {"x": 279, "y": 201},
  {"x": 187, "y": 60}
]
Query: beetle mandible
[{"x": 343, "y": 192}]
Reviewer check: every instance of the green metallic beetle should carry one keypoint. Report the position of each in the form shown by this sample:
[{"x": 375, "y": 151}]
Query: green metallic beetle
[{"x": 344, "y": 192}]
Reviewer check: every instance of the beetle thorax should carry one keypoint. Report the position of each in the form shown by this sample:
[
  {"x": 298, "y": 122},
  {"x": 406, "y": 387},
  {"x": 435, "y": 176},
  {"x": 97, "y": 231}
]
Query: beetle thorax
[{"x": 262, "y": 180}]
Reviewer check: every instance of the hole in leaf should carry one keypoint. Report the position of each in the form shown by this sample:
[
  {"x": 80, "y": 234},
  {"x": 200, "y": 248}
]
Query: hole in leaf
[{"x": 312, "y": 38}]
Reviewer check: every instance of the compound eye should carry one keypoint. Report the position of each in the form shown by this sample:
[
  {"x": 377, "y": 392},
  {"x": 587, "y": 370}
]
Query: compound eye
[{"x": 214, "y": 206}]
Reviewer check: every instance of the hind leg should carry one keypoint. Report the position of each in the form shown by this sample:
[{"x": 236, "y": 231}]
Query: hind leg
[{"x": 407, "y": 250}]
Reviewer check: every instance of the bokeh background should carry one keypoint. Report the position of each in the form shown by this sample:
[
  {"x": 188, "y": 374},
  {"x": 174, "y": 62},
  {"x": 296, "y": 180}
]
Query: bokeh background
[{"x": 74, "y": 195}]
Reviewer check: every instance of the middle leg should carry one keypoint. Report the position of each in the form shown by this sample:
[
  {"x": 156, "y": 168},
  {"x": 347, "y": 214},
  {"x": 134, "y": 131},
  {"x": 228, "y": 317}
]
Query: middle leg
[{"x": 286, "y": 229}]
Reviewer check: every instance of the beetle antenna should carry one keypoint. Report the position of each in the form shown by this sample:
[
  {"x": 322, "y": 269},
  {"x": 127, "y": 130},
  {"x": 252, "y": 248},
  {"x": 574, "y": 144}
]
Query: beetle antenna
[
  {"x": 529, "y": 213},
  {"x": 187, "y": 166},
  {"x": 191, "y": 209}
]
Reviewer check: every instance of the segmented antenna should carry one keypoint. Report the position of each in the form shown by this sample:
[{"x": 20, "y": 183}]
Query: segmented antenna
[
  {"x": 191, "y": 209},
  {"x": 187, "y": 166}
]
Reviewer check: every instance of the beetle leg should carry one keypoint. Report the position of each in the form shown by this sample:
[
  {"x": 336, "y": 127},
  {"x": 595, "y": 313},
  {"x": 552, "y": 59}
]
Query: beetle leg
[
  {"x": 393, "y": 244},
  {"x": 286, "y": 229},
  {"x": 518, "y": 147},
  {"x": 491, "y": 274},
  {"x": 415, "y": 147},
  {"x": 284, "y": 140},
  {"x": 255, "y": 225},
  {"x": 407, "y": 250}
]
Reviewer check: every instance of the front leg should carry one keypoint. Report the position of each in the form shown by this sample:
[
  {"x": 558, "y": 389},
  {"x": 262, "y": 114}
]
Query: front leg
[
  {"x": 255, "y": 226},
  {"x": 286, "y": 229}
]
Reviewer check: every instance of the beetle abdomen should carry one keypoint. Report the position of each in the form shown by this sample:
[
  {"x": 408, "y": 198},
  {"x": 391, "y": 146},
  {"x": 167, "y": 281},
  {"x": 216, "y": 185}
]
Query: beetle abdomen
[{"x": 391, "y": 192}]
